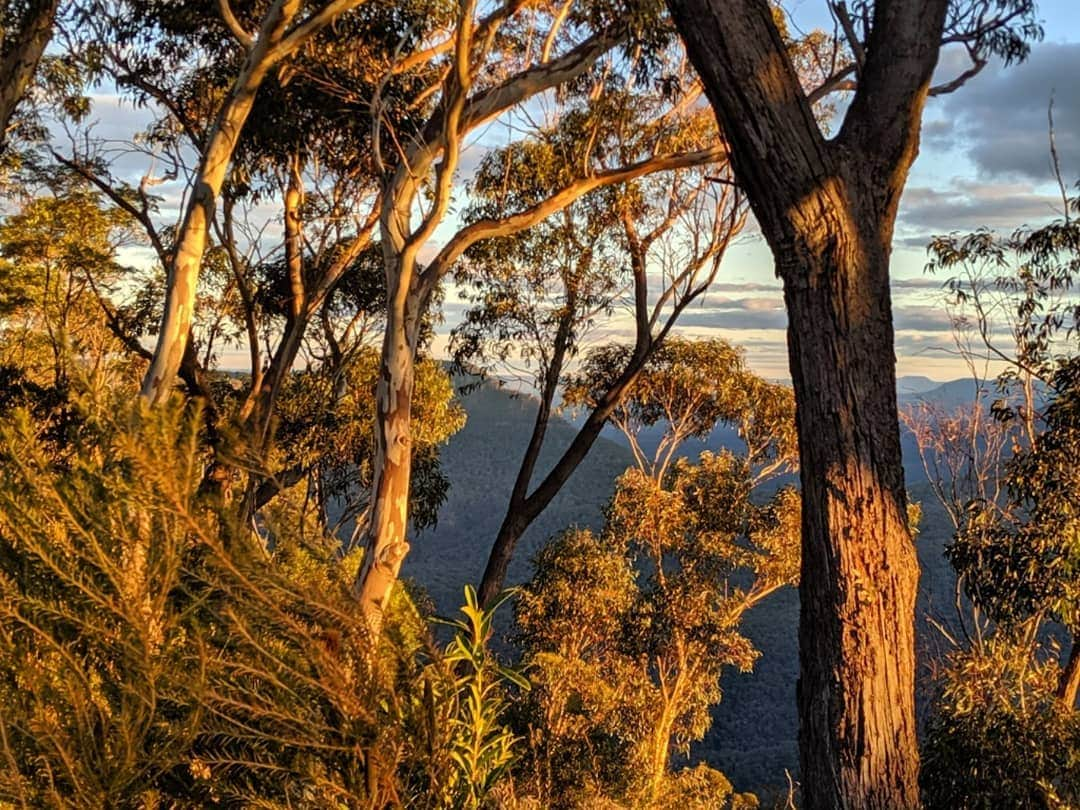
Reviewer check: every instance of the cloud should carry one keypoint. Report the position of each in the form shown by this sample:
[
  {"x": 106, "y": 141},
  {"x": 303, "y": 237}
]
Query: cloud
[
  {"x": 967, "y": 205},
  {"x": 730, "y": 286},
  {"x": 923, "y": 283},
  {"x": 738, "y": 313},
  {"x": 1000, "y": 118},
  {"x": 921, "y": 318}
]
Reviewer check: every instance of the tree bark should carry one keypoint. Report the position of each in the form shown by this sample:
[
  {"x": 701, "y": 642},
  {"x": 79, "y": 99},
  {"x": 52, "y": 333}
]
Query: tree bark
[
  {"x": 827, "y": 209},
  {"x": 1069, "y": 685},
  {"x": 23, "y": 53},
  {"x": 183, "y": 271},
  {"x": 522, "y": 512},
  {"x": 857, "y": 735},
  {"x": 385, "y": 544}
]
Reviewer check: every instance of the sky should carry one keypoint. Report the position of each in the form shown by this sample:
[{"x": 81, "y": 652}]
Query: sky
[{"x": 984, "y": 161}]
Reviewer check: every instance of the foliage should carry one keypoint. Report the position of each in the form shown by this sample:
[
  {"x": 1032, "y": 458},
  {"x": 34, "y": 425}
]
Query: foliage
[
  {"x": 1006, "y": 725},
  {"x": 1017, "y": 551},
  {"x": 1025, "y": 561},
  {"x": 481, "y": 747},
  {"x": 626, "y": 633},
  {"x": 999, "y": 737},
  {"x": 325, "y": 429},
  {"x": 689, "y": 387},
  {"x": 58, "y": 258},
  {"x": 153, "y": 653}
]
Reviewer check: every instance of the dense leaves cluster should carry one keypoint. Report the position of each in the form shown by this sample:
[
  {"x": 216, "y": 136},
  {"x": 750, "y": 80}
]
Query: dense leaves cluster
[{"x": 626, "y": 632}]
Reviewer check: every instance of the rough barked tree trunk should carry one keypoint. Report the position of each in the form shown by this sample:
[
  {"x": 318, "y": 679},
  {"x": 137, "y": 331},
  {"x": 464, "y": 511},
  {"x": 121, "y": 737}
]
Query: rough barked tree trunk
[
  {"x": 827, "y": 209},
  {"x": 22, "y": 52}
]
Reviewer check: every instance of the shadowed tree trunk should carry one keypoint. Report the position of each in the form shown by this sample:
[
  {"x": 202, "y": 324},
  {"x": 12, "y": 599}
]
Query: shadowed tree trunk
[
  {"x": 827, "y": 209},
  {"x": 21, "y": 54},
  {"x": 1069, "y": 685}
]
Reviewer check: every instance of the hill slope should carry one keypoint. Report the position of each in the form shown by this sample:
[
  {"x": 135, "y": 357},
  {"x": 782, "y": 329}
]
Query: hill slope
[
  {"x": 753, "y": 738},
  {"x": 482, "y": 462}
]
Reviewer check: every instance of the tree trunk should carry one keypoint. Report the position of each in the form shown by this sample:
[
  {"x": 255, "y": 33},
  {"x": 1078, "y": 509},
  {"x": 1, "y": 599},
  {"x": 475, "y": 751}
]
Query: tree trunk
[
  {"x": 827, "y": 209},
  {"x": 183, "y": 271},
  {"x": 522, "y": 513},
  {"x": 1069, "y": 685},
  {"x": 857, "y": 736},
  {"x": 514, "y": 522},
  {"x": 24, "y": 49},
  {"x": 385, "y": 544}
]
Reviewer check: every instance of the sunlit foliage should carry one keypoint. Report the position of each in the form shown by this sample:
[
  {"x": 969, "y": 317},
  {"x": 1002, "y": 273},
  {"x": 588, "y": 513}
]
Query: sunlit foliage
[
  {"x": 626, "y": 632},
  {"x": 153, "y": 653}
]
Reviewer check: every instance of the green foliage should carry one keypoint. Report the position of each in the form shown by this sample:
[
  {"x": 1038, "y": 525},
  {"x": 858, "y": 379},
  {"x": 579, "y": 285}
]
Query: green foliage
[
  {"x": 57, "y": 261},
  {"x": 326, "y": 429},
  {"x": 481, "y": 747},
  {"x": 1025, "y": 561},
  {"x": 689, "y": 387},
  {"x": 152, "y": 653},
  {"x": 92, "y": 639},
  {"x": 1000, "y": 737}
]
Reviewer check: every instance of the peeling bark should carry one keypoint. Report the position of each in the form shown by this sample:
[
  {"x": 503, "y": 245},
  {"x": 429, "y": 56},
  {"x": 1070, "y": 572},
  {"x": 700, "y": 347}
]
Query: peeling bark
[{"x": 385, "y": 543}]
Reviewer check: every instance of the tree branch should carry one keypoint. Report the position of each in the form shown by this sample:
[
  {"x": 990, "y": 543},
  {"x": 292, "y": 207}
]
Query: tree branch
[{"x": 494, "y": 228}]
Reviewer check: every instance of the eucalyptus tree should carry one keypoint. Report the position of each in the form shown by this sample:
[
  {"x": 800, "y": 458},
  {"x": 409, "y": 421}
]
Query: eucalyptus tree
[
  {"x": 1015, "y": 548},
  {"x": 648, "y": 249},
  {"x": 149, "y": 47},
  {"x": 627, "y": 632},
  {"x": 290, "y": 265},
  {"x": 490, "y": 66},
  {"x": 827, "y": 207}
]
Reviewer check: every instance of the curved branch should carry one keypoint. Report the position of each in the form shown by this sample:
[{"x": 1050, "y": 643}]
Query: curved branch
[{"x": 493, "y": 228}]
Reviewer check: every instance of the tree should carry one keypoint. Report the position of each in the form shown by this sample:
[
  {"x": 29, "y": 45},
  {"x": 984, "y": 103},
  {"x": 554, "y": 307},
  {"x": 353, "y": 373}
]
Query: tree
[
  {"x": 26, "y": 26},
  {"x": 1016, "y": 551},
  {"x": 627, "y": 632},
  {"x": 300, "y": 167},
  {"x": 557, "y": 50},
  {"x": 57, "y": 263},
  {"x": 651, "y": 247},
  {"x": 283, "y": 28},
  {"x": 827, "y": 207}
]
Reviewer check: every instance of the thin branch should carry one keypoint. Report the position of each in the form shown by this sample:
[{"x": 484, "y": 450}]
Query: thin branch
[{"x": 243, "y": 37}]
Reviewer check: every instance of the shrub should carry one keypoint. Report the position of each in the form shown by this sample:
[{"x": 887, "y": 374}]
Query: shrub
[{"x": 154, "y": 653}]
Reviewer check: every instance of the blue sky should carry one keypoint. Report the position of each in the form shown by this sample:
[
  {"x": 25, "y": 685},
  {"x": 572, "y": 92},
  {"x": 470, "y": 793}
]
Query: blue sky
[{"x": 984, "y": 160}]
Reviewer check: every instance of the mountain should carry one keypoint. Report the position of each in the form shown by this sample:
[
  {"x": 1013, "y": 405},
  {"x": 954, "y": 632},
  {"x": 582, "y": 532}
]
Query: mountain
[
  {"x": 914, "y": 385},
  {"x": 753, "y": 737},
  {"x": 482, "y": 461}
]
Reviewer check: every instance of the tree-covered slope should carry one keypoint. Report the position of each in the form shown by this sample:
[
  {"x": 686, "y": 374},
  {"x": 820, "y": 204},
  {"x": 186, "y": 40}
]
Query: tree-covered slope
[{"x": 753, "y": 738}]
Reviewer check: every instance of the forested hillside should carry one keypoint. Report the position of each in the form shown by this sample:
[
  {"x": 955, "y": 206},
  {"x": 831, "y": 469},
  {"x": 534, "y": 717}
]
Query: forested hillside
[{"x": 753, "y": 737}]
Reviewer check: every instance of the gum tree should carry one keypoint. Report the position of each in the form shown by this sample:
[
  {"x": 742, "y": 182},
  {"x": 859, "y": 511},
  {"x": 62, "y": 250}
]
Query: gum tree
[
  {"x": 827, "y": 207},
  {"x": 552, "y": 50}
]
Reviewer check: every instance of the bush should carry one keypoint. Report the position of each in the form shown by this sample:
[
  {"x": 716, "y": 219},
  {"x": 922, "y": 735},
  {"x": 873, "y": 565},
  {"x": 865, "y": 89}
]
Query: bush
[
  {"x": 999, "y": 737},
  {"x": 153, "y": 653}
]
